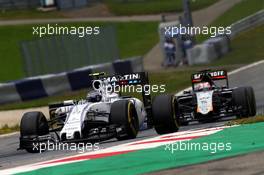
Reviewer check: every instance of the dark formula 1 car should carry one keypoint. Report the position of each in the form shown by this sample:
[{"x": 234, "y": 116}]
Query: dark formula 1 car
[
  {"x": 103, "y": 114},
  {"x": 211, "y": 99}
]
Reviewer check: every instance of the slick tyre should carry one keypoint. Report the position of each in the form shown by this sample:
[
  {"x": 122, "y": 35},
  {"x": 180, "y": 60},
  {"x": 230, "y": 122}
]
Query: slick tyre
[
  {"x": 33, "y": 124},
  {"x": 123, "y": 113},
  {"x": 251, "y": 101},
  {"x": 241, "y": 102},
  {"x": 165, "y": 114}
]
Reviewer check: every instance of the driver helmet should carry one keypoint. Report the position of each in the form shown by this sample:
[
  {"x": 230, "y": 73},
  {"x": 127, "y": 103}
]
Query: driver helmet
[
  {"x": 203, "y": 86},
  {"x": 94, "y": 96}
]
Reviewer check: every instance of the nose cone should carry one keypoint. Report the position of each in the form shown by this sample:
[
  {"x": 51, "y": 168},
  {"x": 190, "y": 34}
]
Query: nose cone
[{"x": 204, "y": 102}]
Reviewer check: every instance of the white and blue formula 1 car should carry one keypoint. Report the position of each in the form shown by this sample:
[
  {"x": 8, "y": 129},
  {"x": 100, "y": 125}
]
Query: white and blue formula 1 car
[{"x": 102, "y": 115}]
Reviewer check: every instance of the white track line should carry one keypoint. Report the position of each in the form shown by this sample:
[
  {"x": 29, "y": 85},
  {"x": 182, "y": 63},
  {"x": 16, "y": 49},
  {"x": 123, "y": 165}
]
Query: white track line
[
  {"x": 121, "y": 147},
  {"x": 8, "y": 135},
  {"x": 131, "y": 146}
]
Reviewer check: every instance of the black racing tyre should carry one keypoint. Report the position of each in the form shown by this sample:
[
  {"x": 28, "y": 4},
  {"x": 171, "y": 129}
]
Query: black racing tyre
[
  {"x": 32, "y": 124},
  {"x": 165, "y": 115},
  {"x": 252, "y": 101},
  {"x": 123, "y": 113},
  {"x": 240, "y": 100}
]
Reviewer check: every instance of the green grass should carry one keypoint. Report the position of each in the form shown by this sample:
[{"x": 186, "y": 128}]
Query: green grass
[
  {"x": 250, "y": 120},
  {"x": 28, "y": 14},
  {"x": 45, "y": 101},
  {"x": 239, "y": 11},
  {"x": 76, "y": 95},
  {"x": 175, "y": 80},
  {"x": 173, "y": 84},
  {"x": 134, "y": 38},
  {"x": 139, "y": 7},
  {"x": 117, "y": 7},
  {"x": 246, "y": 48},
  {"x": 8, "y": 129}
]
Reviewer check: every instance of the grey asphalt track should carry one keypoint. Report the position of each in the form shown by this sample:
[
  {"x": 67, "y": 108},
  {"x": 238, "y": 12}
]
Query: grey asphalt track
[
  {"x": 10, "y": 157},
  {"x": 251, "y": 77},
  {"x": 248, "y": 164}
]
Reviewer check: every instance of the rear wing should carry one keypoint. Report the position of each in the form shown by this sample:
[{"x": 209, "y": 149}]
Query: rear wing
[
  {"x": 140, "y": 78},
  {"x": 209, "y": 75},
  {"x": 132, "y": 79}
]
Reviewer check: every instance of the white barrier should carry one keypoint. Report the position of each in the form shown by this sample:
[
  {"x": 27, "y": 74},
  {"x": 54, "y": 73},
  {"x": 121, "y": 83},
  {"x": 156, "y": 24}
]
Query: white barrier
[
  {"x": 201, "y": 53},
  {"x": 48, "y": 85},
  {"x": 220, "y": 43},
  {"x": 247, "y": 23},
  {"x": 216, "y": 47}
]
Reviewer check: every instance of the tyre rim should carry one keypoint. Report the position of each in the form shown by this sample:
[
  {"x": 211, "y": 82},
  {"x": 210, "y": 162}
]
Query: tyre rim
[
  {"x": 131, "y": 118},
  {"x": 174, "y": 112}
]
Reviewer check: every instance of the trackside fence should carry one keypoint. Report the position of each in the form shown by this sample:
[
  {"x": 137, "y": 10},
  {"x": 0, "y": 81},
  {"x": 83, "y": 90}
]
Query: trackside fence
[
  {"x": 18, "y": 4},
  {"x": 215, "y": 48},
  {"x": 64, "y": 53},
  {"x": 52, "y": 84}
]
